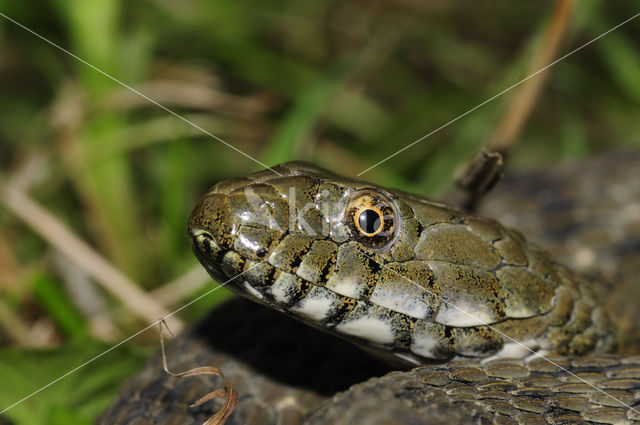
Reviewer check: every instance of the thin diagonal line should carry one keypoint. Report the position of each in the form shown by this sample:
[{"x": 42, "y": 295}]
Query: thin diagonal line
[
  {"x": 499, "y": 332},
  {"x": 500, "y": 94},
  {"x": 95, "y": 68},
  {"x": 127, "y": 339}
]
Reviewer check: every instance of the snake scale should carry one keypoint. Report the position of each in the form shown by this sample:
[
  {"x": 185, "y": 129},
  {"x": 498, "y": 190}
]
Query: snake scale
[{"x": 415, "y": 283}]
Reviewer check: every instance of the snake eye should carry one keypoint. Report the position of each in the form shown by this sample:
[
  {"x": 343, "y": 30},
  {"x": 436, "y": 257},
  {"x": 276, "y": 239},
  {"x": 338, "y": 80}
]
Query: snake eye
[
  {"x": 372, "y": 218},
  {"x": 370, "y": 221}
]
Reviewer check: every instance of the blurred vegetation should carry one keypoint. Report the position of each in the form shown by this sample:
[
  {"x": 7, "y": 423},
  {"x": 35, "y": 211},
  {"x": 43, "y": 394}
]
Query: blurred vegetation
[{"x": 341, "y": 83}]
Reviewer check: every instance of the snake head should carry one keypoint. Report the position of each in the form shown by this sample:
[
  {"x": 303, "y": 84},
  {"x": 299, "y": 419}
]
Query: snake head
[
  {"x": 393, "y": 272},
  {"x": 293, "y": 222}
]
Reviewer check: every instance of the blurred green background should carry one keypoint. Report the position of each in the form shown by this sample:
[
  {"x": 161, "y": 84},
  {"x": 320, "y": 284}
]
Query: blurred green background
[{"x": 342, "y": 83}]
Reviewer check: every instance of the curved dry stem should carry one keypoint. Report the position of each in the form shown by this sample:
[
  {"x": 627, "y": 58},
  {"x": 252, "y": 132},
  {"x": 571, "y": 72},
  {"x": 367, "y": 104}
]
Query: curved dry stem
[{"x": 231, "y": 401}]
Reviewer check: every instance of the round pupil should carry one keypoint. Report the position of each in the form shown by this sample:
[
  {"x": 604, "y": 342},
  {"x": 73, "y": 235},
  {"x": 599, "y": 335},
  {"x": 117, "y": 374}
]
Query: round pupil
[{"x": 369, "y": 221}]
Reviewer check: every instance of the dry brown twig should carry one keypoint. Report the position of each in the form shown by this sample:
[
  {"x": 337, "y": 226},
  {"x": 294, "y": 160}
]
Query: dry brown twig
[
  {"x": 169, "y": 293},
  {"x": 524, "y": 99},
  {"x": 83, "y": 255},
  {"x": 231, "y": 402},
  {"x": 191, "y": 95},
  {"x": 87, "y": 298},
  {"x": 484, "y": 170}
]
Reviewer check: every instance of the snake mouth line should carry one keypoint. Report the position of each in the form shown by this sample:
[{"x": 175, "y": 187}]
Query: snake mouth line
[{"x": 211, "y": 255}]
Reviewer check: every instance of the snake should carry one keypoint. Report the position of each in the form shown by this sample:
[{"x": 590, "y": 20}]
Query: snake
[{"x": 456, "y": 317}]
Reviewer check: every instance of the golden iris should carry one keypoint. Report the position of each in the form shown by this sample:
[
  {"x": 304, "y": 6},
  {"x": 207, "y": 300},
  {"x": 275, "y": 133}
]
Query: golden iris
[{"x": 372, "y": 218}]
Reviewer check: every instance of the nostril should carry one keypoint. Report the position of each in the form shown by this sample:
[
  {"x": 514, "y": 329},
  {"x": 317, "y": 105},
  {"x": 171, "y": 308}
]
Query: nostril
[{"x": 205, "y": 246}]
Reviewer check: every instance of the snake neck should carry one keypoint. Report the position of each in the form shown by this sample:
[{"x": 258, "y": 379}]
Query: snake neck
[{"x": 580, "y": 322}]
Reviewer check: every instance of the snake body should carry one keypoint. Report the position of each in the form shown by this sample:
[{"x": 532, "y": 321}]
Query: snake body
[{"x": 416, "y": 282}]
